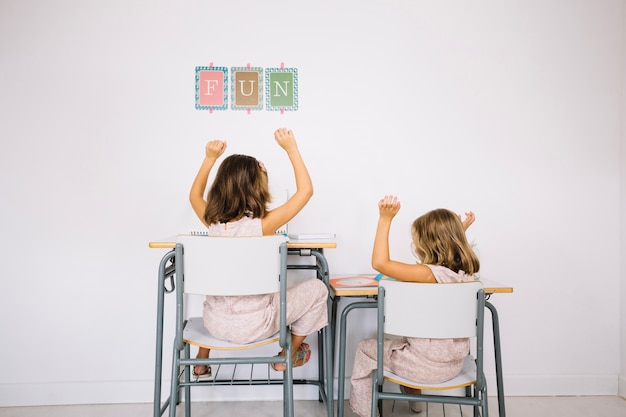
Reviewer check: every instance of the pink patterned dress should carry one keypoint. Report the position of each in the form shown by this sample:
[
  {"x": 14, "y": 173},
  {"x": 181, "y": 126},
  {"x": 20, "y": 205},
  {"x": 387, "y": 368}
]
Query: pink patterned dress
[
  {"x": 424, "y": 360},
  {"x": 246, "y": 319}
]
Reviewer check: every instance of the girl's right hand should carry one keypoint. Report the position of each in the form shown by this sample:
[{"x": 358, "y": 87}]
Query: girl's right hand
[
  {"x": 215, "y": 148},
  {"x": 388, "y": 206},
  {"x": 285, "y": 138}
]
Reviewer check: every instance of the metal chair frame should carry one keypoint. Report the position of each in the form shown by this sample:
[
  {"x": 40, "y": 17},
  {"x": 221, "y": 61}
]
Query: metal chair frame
[
  {"x": 437, "y": 312},
  {"x": 212, "y": 255}
]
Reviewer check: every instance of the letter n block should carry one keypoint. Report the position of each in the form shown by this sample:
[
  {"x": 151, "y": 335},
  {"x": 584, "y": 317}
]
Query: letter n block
[{"x": 281, "y": 88}]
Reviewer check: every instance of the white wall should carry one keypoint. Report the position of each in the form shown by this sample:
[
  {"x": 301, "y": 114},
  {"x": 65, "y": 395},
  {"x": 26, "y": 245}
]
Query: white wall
[{"x": 511, "y": 109}]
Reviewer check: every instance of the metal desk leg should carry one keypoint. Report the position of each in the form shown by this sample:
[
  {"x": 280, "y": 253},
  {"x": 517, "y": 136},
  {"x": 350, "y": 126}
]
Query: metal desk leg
[
  {"x": 323, "y": 273},
  {"x": 342, "y": 351},
  {"x": 325, "y": 336},
  {"x": 164, "y": 273},
  {"x": 498, "y": 355},
  {"x": 333, "y": 320}
]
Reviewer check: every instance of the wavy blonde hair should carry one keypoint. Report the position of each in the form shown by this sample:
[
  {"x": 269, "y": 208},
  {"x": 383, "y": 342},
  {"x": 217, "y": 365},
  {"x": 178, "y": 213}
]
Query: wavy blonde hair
[
  {"x": 240, "y": 189},
  {"x": 439, "y": 239}
]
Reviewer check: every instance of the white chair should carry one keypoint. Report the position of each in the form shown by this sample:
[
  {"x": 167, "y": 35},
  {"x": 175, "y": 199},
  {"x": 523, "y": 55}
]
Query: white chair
[
  {"x": 227, "y": 266},
  {"x": 421, "y": 310}
]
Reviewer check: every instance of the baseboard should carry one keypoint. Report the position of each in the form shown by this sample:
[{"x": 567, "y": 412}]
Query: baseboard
[
  {"x": 548, "y": 385},
  {"x": 64, "y": 393},
  {"x": 555, "y": 385},
  {"x": 122, "y": 392},
  {"x": 116, "y": 392}
]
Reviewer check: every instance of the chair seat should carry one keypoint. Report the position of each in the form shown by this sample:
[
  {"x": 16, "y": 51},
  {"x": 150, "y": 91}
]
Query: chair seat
[
  {"x": 465, "y": 378},
  {"x": 196, "y": 334}
]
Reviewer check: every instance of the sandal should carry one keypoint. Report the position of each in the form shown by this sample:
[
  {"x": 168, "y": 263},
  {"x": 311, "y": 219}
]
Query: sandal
[
  {"x": 203, "y": 376},
  {"x": 302, "y": 356}
]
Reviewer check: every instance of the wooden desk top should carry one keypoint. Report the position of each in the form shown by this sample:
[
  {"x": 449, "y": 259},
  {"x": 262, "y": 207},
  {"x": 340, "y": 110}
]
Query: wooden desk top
[
  {"x": 170, "y": 243},
  {"x": 490, "y": 287}
]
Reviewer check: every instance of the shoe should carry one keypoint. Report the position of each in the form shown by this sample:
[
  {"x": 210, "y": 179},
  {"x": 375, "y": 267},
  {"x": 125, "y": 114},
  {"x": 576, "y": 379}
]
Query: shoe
[
  {"x": 415, "y": 406},
  {"x": 302, "y": 356},
  {"x": 201, "y": 377}
]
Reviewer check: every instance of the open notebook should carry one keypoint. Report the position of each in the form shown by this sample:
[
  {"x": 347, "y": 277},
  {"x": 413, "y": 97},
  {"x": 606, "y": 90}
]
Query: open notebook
[{"x": 356, "y": 281}]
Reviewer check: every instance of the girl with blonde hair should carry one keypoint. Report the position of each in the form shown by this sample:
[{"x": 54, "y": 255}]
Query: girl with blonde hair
[{"x": 440, "y": 243}]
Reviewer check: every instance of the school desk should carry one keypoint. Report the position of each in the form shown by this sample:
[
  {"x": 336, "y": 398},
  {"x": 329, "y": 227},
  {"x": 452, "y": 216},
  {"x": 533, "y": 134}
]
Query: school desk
[
  {"x": 167, "y": 269},
  {"x": 490, "y": 287}
]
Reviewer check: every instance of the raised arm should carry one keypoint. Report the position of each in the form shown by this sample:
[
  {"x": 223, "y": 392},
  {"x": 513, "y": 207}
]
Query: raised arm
[
  {"x": 388, "y": 207},
  {"x": 304, "y": 186},
  {"x": 213, "y": 150}
]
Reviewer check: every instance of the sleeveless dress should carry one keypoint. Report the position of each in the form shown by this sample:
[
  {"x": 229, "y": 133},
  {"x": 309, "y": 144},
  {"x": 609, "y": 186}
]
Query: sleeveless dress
[
  {"x": 425, "y": 360},
  {"x": 246, "y": 319}
]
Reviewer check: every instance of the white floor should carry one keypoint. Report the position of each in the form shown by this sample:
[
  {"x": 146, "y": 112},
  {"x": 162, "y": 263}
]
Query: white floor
[{"x": 515, "y": 407}]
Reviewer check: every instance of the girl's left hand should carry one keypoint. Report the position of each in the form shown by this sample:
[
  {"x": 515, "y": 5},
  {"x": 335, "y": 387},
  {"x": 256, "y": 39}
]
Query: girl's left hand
[{"x": 469, "y": 219}]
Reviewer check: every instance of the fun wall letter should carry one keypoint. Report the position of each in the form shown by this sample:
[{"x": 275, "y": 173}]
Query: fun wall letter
[
  {"x": 247, "y": 88},
  {"x": 211, "y": 88},
  {"x": 281, "y": 88}
]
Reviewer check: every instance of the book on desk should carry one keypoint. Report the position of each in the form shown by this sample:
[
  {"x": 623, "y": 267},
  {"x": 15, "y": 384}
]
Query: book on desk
[
  {"x": 311, "y": 237},
  {"x": 356, "y": 284}
]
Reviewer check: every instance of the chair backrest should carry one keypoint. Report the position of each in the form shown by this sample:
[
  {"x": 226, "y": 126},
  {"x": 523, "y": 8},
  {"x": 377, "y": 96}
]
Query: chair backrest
[
  {"x": 232, "y": 265},
  {"x": 437, "y": 311}
]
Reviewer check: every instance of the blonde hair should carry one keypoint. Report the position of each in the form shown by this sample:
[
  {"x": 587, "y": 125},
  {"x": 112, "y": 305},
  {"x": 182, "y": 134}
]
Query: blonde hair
[
  {"x": 240, "y": 189},
  {"x": 439, "y": 239}
]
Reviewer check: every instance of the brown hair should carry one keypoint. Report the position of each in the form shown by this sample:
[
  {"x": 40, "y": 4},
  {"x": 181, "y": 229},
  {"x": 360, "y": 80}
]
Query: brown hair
[
  {"x": 240, "y": 189},
  {"x": 440, "y": 239}
]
